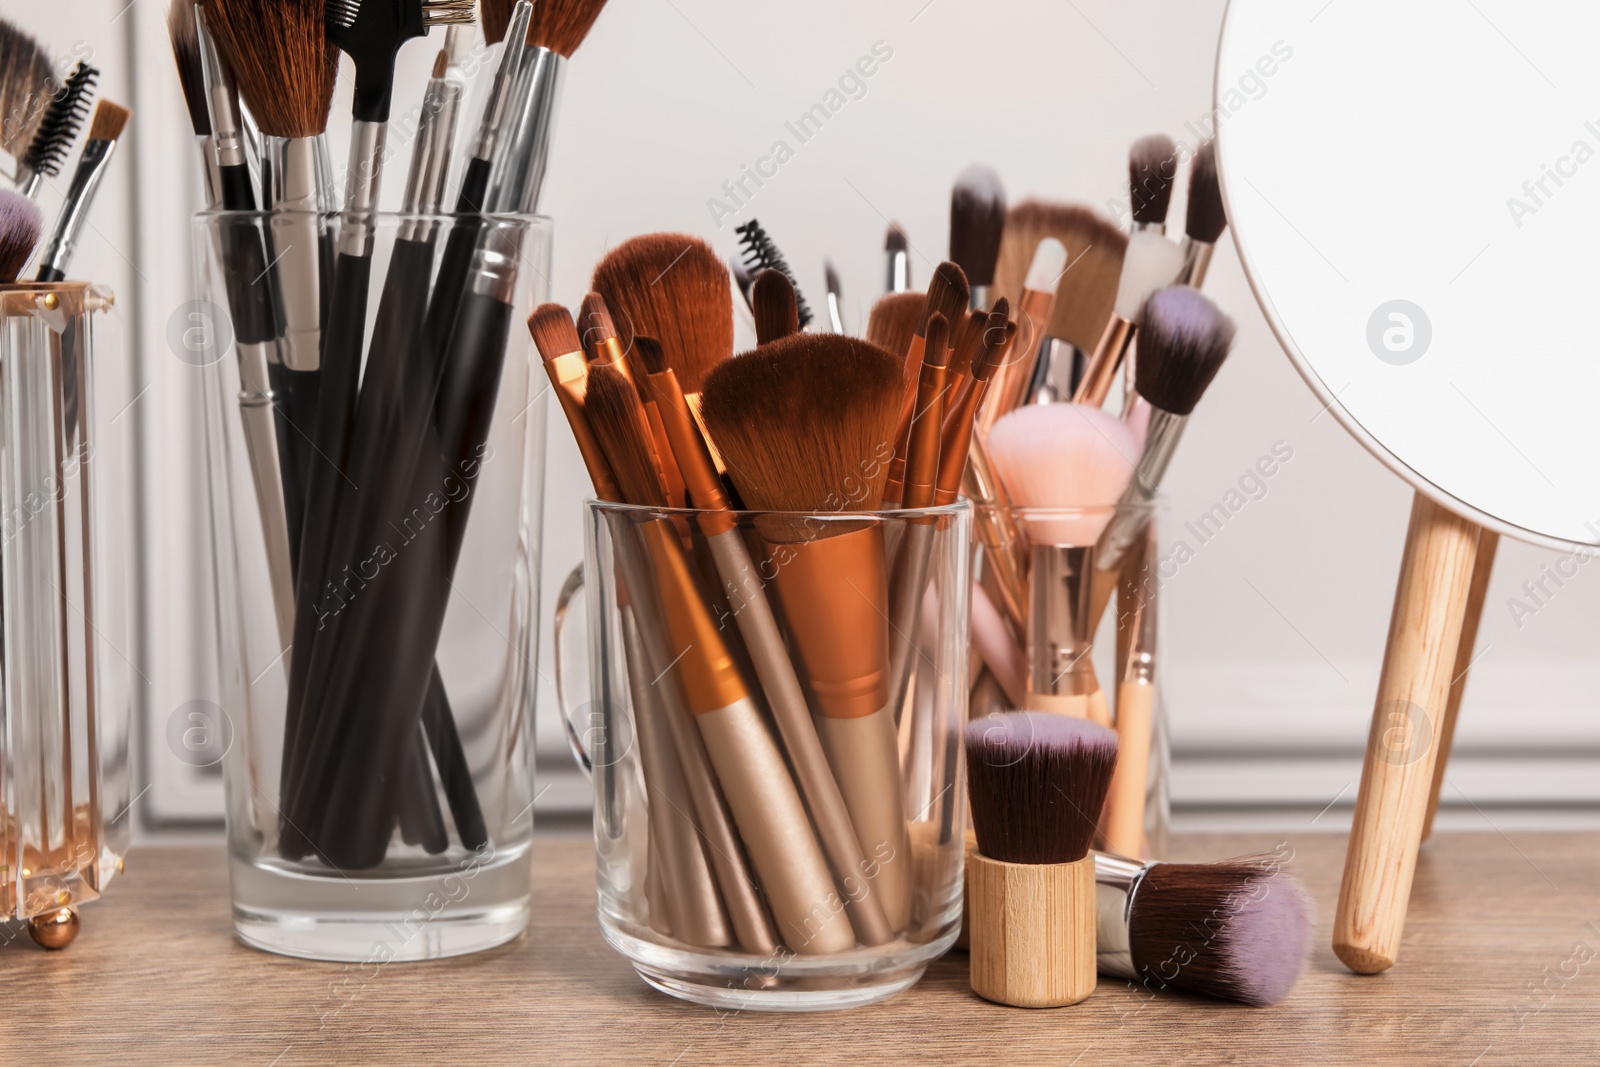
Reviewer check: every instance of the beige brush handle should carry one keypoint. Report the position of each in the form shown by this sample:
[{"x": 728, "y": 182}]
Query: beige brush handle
[
  {"x": 1074, "y": 704},
  {"x": 695, "y": 914},
  {"x": 865, "y": 755},
  {"x": 773, "y": 825},
  {"x": 1124, "y": 824},
  {"x": 850, "y": 858},
  {"x": 1424, "y": 633},
  {"x": 1488, "y": 542},
  {"x": 1096, "y": 708},
  {"x": 1034, "y": 928}
]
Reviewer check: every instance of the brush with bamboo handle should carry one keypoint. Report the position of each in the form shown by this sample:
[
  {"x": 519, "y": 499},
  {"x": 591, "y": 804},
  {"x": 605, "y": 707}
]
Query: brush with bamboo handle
[
  {"x": 875, "y": 921},
  {"x": 805, "y": 425},
  {"x": 1424, "y": 633},
  {"x": 761, "y": 794}
]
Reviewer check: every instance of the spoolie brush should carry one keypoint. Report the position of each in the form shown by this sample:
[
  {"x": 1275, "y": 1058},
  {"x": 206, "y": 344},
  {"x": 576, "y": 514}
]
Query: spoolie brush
[
  {"x": 57, "y": 130},
  {"x": 1206, "y": 218},
  {"x": 1152, "y": 170},
  {"x": 20, "y": 224},
  {"x": 1036, "y": 784},
  {"x": 1239, "y": 930},
  {"x": 27, "y": 87},
  {"x": 977, "y": 220},
  {"x": 760, "y": 252}
]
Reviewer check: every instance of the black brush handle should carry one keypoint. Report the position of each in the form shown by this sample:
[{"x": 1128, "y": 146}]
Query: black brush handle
[
  {"x": 342, "y": 346},
  {"x": 455, "y": 774},
  {"x": 50, "y": 274},
  {"x": 420, "y": 820}
]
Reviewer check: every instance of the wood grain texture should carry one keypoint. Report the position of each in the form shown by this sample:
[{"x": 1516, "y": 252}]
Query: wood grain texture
[
  {"x": 156, "y": 978},
  {"x": 1424, "y": 631},
  {"x": 1033, "y": 931},
  {"x": 1482, "y": 570}
]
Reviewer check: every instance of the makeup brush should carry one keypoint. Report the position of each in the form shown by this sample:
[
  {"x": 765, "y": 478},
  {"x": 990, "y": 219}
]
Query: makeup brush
[
  {"x": 910, "y": 577},
  {"x": 761, "y": 795},
  {"x": 1183, "y": 340},
  {"x": 1152, "y": 171},
  {"x": 772, "y": 300},
  {"x": 1036, "y": 783},
  {"x": 20, "y": 226},
  {"x": 557, "y": 340},
  {"x": 27, "y": 87},
  {"x": 947, "y": 296},
  {"x": 104, "y": 129},
  {"x": 284, "y": 66},
  {"x": 1206, "y": 218},
  {"x": 57, "y": 130},
  {"x": 1136, "y": 648},
  {"x": 1151, "y": 263},
  {"x": 993, "y": 338},
  {"x": 674, "y": 288},
  {"x": 830, "y": 279},
  {"x": 894, "y": 319},
  {"x": 760, "y": 253},
  {"x": 877, "y": 917},
  {"x": 1080, "y": 229},
  {"x": 805, "y": 425},
  {"x": 556, "y": 30},
  {"x": 185, "y": 38},
  {"x": 1086, "y": 297},
  {"x": 898, "y": 260},
  {"x": 1068, "y": 464},
  {"x": 1239, "y": 930},
  {"x": 977, "y": 220},
  {"x": 1034, "y": 310}
]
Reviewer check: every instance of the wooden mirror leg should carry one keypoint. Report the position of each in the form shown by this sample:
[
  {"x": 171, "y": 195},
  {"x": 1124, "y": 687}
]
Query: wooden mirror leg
[
  {"x": 1488, "y": 541},
  {"x": 1430, "y": 603}
]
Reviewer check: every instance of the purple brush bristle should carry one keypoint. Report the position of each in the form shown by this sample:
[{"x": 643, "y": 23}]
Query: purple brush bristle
[
  {"x": 1183, "y": 340},
  {"x": 1037, "y": 782},
  {"x": 20, "y": 226}
]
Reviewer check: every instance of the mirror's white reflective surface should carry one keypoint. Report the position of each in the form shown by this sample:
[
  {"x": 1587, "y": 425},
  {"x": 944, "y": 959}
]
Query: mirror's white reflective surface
[{"x": 1415, "y": 192}]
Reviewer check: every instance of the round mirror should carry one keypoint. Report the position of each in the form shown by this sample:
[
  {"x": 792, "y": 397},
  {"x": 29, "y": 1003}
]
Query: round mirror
[{"x": 1414, "y": 189}]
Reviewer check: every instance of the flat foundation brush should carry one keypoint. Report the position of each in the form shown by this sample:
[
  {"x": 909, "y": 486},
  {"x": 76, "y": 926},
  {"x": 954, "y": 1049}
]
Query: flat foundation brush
[
  {"x": 1036, "y": 784},
  {"x": 805, "y": 425},
  {"x": 1239, "y": 930},
  {"x": 761, "y": 794}
]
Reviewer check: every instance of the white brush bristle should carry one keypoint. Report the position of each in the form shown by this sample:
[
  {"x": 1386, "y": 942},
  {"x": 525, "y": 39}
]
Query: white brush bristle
[
  {"x": 1152, "y": 263},
  {"x": 1073, "y": 458},
  {"x": 1049, "y": 261}
]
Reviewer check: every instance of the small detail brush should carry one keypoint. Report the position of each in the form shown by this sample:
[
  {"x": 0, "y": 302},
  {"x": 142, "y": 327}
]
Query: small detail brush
[
  {"x": 557, "y": 340},
  {"x": 1238, "y": 930},
  {"x": 830, "y": 280},
  {"x": 1152, "y": 171},
  {"x": 1036, "y": 784},
  {"x": 108, "y": 123},
  {"x": 897, "y": 258},
  {"x": 977, "y": 221},
  {"x": 761, "y": 253},
  {"x": 20, "y": 226},
  {"x": 1206, "y": 218},
  {"x": 947, "y": 296}
]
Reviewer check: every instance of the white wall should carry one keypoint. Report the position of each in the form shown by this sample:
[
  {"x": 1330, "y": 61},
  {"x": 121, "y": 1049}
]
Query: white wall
[{"x": 1275, "y": 627}]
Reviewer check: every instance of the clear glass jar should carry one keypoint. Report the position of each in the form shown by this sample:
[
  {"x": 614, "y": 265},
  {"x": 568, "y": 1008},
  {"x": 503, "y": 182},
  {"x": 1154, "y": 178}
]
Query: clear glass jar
[
  {"x": 378, "y": 562},
  {"x": 777, "y": 767}
]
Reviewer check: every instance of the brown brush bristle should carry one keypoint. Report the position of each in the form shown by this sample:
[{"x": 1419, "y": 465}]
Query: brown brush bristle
[
  {"x": 282, "y": 61},
  {"x": 995, "y": 338},
  {"x": 947, "y": 295},
  {"x": 441, "y": 63},
  {"x": 1240, "y": 929},
  {"x": 1083, "y": 233},
  {"x": 185, "y": 39},
  {"x": 617, "y": 419},
  {"x": 1037, "y": 782},
  {"x": 968, "y": 343},
  {"x": 772, "y": 303},
  {"x": 807, "y": 422},
  {"x": 893, "y": 320},
  {"x": 553, "y": 332},
  {"x": 559, "y": 25},
  {"x": 894, "y": 239},
  {"x": 1183, "y": 340},
  {"x": 674, "y": 288},
  {"x": 594, "y": 323},
  {"x": 650, "y": 355},
  {"x": 1152, "y": 170},
  {"x": 977, "y": 220},
  {"x": 494, "y": 16},
  {"x": 109, "y": 121},
  {"x": 27, "y": 85},
  {"x": 1206, "y": 217}
]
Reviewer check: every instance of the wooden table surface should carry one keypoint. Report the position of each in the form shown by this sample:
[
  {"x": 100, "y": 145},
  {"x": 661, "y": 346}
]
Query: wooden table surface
[{"x": 1501, "y": 964}]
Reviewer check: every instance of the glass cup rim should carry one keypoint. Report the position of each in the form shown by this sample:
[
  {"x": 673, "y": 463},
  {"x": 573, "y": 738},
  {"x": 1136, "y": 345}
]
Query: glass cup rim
[
  {"x": 534, "y": 221},
  {"x": 1135, "y": 507},
  {"x": 962, "y": 506}
]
